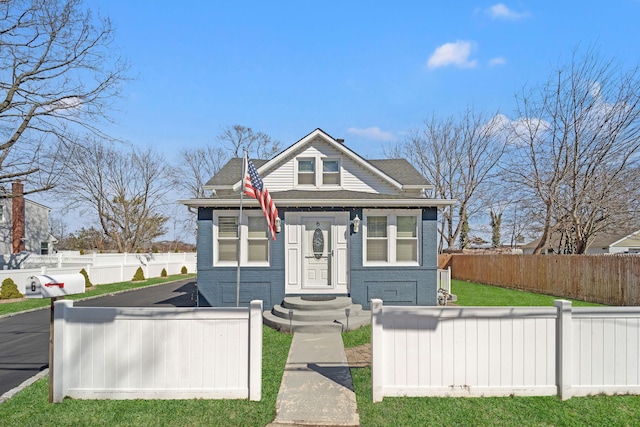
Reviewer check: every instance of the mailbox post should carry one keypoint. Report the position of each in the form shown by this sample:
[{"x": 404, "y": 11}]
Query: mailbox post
[{"x": 54, "y": 287}]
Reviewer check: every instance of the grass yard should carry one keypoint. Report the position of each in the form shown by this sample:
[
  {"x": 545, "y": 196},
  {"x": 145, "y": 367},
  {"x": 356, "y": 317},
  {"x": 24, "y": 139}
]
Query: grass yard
[
  {"x": 492, "y": 411},
  {"x": 31, "y": 407},
  {"x": 474, "y": 294},
  {"x": 29, "y": 304}
]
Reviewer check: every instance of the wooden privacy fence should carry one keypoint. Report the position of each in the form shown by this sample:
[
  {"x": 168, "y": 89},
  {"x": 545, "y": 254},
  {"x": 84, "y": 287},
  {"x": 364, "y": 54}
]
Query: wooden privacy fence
[
  {"x": 604, "y": 279},
  {"x": 157, "y": 353},
  {"x": 502, "y": 351}
]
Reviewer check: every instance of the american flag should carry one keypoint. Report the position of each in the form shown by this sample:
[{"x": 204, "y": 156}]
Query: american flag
[{"x": 254, "y": 187}]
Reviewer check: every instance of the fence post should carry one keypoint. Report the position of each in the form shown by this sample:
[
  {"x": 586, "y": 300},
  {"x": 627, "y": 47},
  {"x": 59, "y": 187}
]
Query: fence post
[
  {"x": 564, "y": 342},
  {"x": 59, "y": 259},
  {"x": 60, "y": 380},
  {"x": 377, "y": 350},
  {"x": 255, "y": 350},
  {"x": 43, "y": 270}
]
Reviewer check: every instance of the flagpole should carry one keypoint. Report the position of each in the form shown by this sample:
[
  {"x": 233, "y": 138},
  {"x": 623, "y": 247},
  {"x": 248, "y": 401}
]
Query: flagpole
[{"x": 244, "y": 172}]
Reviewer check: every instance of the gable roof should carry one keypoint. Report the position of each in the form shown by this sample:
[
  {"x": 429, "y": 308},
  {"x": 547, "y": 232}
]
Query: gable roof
[{"x": 396, "y": 173}]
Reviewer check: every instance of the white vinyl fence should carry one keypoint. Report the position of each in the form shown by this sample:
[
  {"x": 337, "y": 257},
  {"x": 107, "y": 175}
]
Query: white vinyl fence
[
  {"x": 502, "y": 351},
  {"x": 101, "y": 268},
  {"x": 157, "y": 353}
]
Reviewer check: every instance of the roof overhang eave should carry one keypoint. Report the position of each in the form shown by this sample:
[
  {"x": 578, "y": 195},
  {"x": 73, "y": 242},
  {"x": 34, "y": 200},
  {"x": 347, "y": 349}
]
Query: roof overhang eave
[{"x": 365, "y": 203}]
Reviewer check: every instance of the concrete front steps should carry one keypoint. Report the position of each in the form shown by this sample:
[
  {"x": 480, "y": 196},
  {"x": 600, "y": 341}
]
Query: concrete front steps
[{"x": 316, "y": 314}]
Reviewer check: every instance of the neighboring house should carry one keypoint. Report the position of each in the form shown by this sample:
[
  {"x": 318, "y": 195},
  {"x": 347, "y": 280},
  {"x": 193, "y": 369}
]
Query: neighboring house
[
  {"x": 621, "y": 243},
  {"x": 347, "y": 226},
  {"x": 24, "y": 224}
]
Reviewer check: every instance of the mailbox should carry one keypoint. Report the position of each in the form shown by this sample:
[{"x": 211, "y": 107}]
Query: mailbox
[{"x": 50, "y": 286}]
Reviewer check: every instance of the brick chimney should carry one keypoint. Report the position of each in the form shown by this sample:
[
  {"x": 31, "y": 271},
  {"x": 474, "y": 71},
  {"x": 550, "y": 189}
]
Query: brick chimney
[{"x": 17, "y": 217}]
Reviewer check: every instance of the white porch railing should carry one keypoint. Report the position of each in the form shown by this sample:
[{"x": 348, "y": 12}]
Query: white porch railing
[
  {"x": 157, "y": 353},
  {"x": 502, "y": 351}
]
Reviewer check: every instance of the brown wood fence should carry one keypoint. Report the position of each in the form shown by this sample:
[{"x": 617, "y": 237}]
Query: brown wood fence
[{"x": 604, "y": 279}]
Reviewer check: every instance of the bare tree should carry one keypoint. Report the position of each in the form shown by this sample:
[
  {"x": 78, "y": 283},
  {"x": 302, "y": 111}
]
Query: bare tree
[
  {"x": 577, "y": 148},
  {"x": 58, "y": 73},
  {"x": 196, "y": 166},
  {"x": 124, "y": 190},
  {"x": 237, "y": 137},
  {"x": 458, "y": 155}
]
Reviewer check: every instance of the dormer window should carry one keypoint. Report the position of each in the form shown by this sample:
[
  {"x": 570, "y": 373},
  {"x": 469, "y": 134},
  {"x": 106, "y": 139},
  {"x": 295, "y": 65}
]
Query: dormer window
[
  {"x": 306, "y": 172},
  {"x": 318, "y": 171},
  {"x": 330, "y": 172}
]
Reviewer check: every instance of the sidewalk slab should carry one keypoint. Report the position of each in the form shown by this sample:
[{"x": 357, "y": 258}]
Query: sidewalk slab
[{"x": 316, "y": 387}]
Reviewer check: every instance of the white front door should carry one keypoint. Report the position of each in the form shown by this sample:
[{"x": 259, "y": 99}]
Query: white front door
[{"x": 317, "y": 254}]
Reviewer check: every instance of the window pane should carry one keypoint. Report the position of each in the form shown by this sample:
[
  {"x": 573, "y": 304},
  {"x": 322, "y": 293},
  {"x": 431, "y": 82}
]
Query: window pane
[
  {"x": 257, "y": 227},
  {"x": 377, "y": 226},
  {"x": 407, "y": 226},
  {"x": 330, "y": 166},
  {"x": 228, "y": 250},
  {"x": 228, "y": 226},
  {"x": 258, "y": 250},
  {"x": 377, "y": 250},
  {"x": 306, "y": 166},
  {"x": 330, "y": 178},
  {"x": 407, "y": 250},
  {"x": 306, "y": 178}
]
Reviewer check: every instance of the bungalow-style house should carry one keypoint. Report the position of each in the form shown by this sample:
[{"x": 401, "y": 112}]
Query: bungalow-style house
[
  {"x": 619, "y": 243},
  {"x": 24, "y": 225},
  {"x": 346, "y": 227}
]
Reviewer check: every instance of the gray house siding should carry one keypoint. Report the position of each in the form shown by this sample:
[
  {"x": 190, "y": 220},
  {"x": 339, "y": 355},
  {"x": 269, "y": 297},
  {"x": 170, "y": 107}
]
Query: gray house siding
[
  {"x": 398, "y": 285},
  {"x": 395, "y": 285},
  {"x": 217, "y": 285}
]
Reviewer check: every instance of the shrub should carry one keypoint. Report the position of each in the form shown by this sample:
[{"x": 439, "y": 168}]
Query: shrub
[
  {"x": 139, "y": 275},
  {"x": 9, "y": 289},
  {"x": 163, "y": 273},
  {"x": 81, "y": 251},
  {"x": 183, "y": 270},
  {"x": 87, "y": 282}
]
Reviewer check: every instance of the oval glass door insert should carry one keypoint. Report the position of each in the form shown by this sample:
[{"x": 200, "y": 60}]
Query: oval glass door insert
[{"x": 318, "y": 242}]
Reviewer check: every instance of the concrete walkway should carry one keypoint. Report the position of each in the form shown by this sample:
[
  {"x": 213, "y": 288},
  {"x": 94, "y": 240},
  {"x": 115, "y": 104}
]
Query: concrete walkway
[{"x": 316, "y": 386}]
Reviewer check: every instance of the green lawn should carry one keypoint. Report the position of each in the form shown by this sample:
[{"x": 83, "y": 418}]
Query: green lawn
[
  {"x": 16, "y": 307},
  {"x": 474, "y": 294},
  {"x": 31, "y": 408},
  {"x": 492, "y": 411}
]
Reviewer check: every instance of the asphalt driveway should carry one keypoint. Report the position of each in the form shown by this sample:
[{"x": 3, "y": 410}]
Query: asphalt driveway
[{"x": 24, "y": 338}]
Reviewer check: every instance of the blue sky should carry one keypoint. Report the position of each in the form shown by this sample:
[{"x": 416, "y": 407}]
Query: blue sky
[{"x": 364, "y": 71}]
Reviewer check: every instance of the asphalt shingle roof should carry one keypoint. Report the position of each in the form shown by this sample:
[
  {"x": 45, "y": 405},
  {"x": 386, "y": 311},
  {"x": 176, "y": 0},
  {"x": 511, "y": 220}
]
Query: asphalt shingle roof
[{"x": 399, "y": 169}]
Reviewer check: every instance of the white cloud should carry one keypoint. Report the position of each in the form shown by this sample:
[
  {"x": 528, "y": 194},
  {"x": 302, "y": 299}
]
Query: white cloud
[
  {"x": 452, "y": 54},
  {"x": 497, "y": 61},
  {"x": 501, "y": 11},
  {"x": 374, "y": 133}
]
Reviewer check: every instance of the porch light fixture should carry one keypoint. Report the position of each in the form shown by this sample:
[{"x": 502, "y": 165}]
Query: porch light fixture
[
  {"x": 278, "y": 224},
  {"x": 356, "y": 224}
]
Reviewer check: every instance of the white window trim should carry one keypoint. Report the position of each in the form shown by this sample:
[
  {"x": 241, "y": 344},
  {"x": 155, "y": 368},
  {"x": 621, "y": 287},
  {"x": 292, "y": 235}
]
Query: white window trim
[
  {"x": 318, "y": 172},
  {"x": 392, "y": 220},
  {"x": 244, "y": 243}
]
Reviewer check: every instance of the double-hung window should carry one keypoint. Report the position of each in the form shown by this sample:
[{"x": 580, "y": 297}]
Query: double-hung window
[
  {"x": 253, "y": 240},
  {"x": 306, "y": 172},
  {"x": 330, "y": 172},
  {"x": 391, "y": 237}
]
